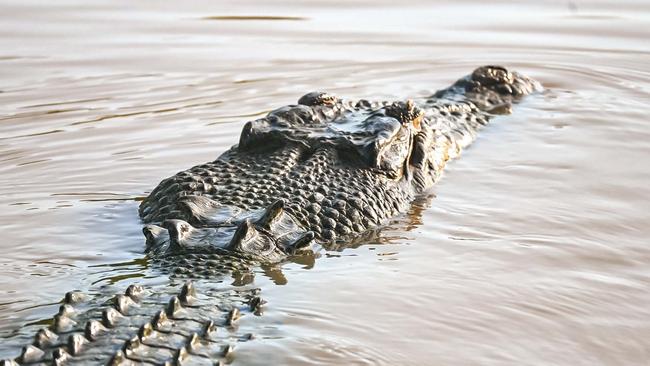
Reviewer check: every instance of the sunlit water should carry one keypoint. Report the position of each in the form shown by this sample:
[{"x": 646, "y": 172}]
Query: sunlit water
[{"x": 533, "y": 249}]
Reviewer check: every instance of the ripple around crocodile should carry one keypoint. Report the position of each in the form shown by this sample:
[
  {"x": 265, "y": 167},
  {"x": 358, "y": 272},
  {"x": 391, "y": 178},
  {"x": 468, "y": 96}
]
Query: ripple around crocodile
[{"x": 320, "y": 173}]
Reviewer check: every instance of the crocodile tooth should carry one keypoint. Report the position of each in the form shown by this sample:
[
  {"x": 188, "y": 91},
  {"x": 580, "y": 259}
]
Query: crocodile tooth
[
  {"x": 233, "y": 316},
  {"x": 8, "y": 363},
  {"x": 135, "y": 292},
  {"x": 188, "y": 293},
  {"x": 271, "y": 214},
  {"x": 93, "y": 328},
  {"x": 44, "y": 338},
  {"x": 145, "y": 331},
  {"x": 30, "y": 354},
  {"x": 174, "y": 307},
  {"x": 302, "y": 242},
  {"x": 109, "y": 317},
  {"x": 75, "y": 342},
  {"x": 59, "y": 356},
  {"x": 63, "y": 324},
  {"x": 73, "y": 297}
]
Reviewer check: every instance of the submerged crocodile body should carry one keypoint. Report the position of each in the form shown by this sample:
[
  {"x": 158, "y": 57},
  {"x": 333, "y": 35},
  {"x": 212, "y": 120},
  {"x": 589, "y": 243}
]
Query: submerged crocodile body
[{"x": 318, "y": 174}]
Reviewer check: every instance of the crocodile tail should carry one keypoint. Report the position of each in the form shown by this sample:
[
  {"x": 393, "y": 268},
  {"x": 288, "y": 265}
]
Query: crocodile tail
[{"x": 142, "y": 325}]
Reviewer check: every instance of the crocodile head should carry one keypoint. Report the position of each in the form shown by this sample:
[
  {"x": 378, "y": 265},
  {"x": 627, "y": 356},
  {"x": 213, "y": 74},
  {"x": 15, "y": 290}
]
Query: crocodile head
[
  {"x": 364, "y": 138},
  {"x": 321, "y": 169}
]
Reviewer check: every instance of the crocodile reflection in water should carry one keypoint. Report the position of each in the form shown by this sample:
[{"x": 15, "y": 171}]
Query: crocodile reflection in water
[{"x": 320, "y": 173}]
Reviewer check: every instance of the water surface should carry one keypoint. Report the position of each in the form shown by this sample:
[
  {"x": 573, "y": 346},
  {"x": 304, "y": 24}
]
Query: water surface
[{"x": 531, "y": 250}]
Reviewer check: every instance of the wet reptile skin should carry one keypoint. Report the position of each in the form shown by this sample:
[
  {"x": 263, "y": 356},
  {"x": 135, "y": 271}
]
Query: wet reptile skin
[{"x": 319, "y": 173}]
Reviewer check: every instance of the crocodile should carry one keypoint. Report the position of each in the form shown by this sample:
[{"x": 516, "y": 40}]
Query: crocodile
[{"x": 317, "y": 175}]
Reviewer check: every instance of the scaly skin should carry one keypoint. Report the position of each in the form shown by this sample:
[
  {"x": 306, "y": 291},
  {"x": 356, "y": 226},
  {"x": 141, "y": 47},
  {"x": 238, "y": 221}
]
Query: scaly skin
[{"x": 319, "y": 173}]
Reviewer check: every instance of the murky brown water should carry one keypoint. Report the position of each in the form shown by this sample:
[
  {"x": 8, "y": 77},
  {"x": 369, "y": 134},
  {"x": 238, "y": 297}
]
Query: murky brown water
[{"x": 533, "y": 249}]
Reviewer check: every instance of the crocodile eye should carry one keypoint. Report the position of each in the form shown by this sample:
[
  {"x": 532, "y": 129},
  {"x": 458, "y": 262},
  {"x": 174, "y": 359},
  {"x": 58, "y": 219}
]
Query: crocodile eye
[
  {"x": 318, "y": 98},
  {"x": 392, "y": 153},
  {"x": 393, "y": 130},
  {"x": 407, "y": 113},
  {"x": 417, "y": 122}
]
